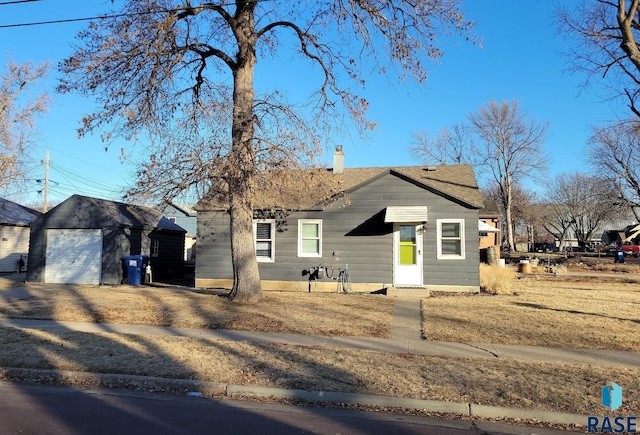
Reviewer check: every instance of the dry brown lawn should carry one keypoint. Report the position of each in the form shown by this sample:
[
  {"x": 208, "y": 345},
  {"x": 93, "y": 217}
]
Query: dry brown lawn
[
  {"x": 299, "y": 313},
  {"x": 582, "y": 313}
]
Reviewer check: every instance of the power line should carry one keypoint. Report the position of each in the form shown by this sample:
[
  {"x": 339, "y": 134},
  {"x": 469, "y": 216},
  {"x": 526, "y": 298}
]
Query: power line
[
  {"x": 134, "y": 14},
  {"x": 18, "y": 1},
  {"x": 73, "y": 20},
  {"x": 87, "y": 182},
  {"x": 86, "y": 162}
]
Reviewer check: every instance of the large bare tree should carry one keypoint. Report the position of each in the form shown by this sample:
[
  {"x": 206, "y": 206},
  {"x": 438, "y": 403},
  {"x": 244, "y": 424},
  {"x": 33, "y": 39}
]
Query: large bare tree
[
  {"x": 583, "y": 202},
  {"x": 511, "y": 143},
  {"x": 522, "y": 200},
  {"x": 555, "y": 219},
  {"x": 451, "y": 146},
  {"x": 614, "y": 153},
  {"x": 607, "y": 34},
  {"x": 161, "y": 66},
  {"x": 19, "y": 108}
]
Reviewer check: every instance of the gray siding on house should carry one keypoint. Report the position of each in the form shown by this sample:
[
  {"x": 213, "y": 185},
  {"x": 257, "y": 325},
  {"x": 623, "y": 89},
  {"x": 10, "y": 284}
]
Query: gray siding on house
[
  {"x": 214, "y": 246},
  {"x": 354, "y": 235}
]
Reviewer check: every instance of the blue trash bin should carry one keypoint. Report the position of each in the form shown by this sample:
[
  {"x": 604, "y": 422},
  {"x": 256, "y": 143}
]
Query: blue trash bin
[
  {"x": 134, "y": 267},
  {"x": 619, "y": 256}
]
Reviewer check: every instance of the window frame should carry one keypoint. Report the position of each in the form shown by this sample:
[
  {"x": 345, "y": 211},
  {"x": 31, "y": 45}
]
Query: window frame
[
  {"x": 272, "y": 239},
  {"x": 155, "y": 248},
  {"x": 301, "y": 222},
  {"x": 439, "y": 238}
]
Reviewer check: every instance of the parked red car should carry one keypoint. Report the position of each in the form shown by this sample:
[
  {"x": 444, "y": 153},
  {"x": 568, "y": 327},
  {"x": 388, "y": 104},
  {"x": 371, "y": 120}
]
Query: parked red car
[{"x": 630, "y": 249}]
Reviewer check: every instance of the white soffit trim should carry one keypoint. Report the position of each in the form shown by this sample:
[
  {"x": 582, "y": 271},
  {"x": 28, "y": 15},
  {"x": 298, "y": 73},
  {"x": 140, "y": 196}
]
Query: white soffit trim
[
  {"x": 484, "y": 227},
  {"x": 410, "y": 213}
]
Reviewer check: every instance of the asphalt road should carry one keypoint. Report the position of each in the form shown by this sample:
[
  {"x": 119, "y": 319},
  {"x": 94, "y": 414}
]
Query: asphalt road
[{"x": 28, "y": 409}]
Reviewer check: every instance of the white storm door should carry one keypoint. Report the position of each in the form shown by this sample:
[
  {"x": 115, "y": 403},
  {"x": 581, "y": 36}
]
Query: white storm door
[
  {"x": 73, "y": 256},
  {"x": 407, "y": 254}
]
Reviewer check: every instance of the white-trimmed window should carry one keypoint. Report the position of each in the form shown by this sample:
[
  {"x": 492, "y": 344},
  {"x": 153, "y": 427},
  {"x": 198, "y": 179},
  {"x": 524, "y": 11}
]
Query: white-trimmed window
[
  {"x": 155, "y": 247},
  {"x": 309, "y": 238},
  {"x": 264, "y": 234},
  {"x": 450, "y": 239}
]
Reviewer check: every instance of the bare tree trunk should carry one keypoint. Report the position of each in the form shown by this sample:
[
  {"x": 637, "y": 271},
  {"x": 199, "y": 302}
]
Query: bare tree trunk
[
  {"x": 246, "y": 275},
  {"x": 509, "y": 217}
]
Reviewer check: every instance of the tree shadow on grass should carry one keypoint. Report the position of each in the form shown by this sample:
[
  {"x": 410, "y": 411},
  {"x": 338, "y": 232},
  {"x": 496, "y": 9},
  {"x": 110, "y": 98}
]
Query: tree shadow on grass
[{"x": 559, "y": 310}]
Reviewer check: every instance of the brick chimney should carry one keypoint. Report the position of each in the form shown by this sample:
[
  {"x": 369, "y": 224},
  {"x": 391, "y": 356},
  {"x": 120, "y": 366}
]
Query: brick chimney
[{"x": 338, "y": 160}]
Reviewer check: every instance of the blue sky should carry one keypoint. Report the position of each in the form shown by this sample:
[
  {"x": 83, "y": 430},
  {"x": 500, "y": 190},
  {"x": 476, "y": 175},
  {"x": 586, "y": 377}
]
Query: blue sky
[{"x": 521, "y": 59}]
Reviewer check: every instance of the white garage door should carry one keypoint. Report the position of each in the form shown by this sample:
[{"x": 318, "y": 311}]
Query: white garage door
[{"x": 73, "y": 256}]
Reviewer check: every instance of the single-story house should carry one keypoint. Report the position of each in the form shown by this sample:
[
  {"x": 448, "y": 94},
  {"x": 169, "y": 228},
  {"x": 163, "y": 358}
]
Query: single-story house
[
  {"x": 186, "y": 217},
  {"x": 403, "y": 227},
  {"x": 14, "y": 235},
  {"x": 83, "y": 241}
]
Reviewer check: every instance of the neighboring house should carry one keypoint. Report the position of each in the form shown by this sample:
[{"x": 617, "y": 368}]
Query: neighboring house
[
  {"x": 414, "y": 227},
  {"x": 630, "y": 234},
  {"x": 83, "y": 240},
  {"x": 489, "y": 229},
  {"x": 14, "y": 234},
  {"x": 186, "y": 217},
  {"x": 613, "y": 237}
]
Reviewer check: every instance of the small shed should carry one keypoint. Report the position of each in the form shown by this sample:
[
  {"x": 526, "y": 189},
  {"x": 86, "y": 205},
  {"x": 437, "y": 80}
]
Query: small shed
[
  {"x": 83, "y": 240},
  {"x": 185, "y": 216},
  {"x": 14, "y": 234}
]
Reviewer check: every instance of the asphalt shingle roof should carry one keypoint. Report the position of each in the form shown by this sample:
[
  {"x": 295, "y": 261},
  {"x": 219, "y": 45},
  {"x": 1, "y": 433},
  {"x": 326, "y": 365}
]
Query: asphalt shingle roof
[
  {"x": 129, "y": 215},
  {"x": 15, "y": 214},
  {"x": 305, "y": 189}
]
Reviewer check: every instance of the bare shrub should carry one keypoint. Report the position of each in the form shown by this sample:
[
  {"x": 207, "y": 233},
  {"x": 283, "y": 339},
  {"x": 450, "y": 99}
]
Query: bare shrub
[{"x": 496, "y": 279}]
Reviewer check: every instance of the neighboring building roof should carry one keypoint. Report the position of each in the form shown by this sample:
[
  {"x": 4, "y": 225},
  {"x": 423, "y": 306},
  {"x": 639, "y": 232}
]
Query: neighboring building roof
[
  {"x": 491, "y": 209},
  {"x": 127, "y": 215},
  {"x": 16, "y": 214},
  {"x": 297, "y": 192},
  {"x": 186, "y": 209}
]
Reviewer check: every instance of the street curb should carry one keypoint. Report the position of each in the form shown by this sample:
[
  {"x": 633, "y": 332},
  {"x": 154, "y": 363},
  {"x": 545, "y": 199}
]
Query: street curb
[
  {"x": 109, "y": 380},
  {"x": 350, "y": 399},
  {"x": 523, "y": 413},
  {"x": 186, "y": 386}
]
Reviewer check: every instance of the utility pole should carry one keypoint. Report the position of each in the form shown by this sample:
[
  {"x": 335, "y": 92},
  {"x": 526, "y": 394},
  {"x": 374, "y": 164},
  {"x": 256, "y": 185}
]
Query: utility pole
[{"x": 46, "y": 182}]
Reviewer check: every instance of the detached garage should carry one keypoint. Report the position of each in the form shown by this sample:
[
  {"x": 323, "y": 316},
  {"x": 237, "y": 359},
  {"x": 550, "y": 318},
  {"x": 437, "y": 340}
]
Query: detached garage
[{"x": 83, "y": 240}]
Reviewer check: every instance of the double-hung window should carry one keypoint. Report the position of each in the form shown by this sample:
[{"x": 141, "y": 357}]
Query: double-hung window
[
  {"x": 450, "y": 233},
  {"x": 309, "y": 238},
  {"x": 264, "y": 239}
]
